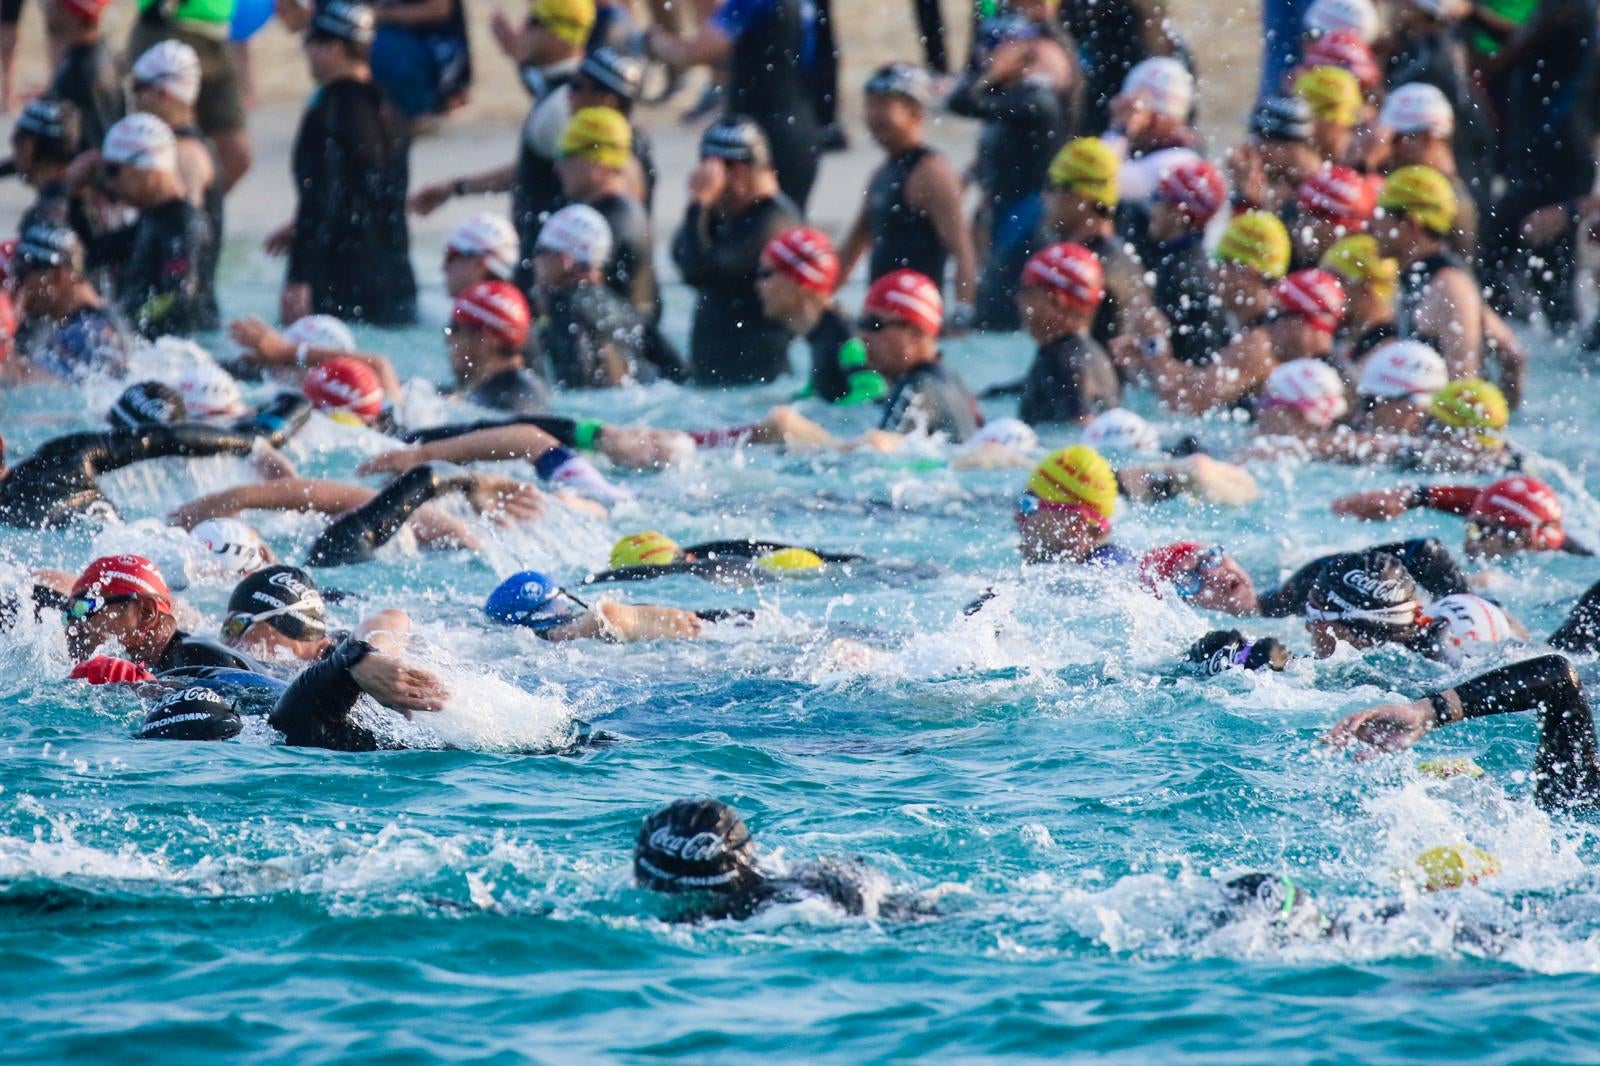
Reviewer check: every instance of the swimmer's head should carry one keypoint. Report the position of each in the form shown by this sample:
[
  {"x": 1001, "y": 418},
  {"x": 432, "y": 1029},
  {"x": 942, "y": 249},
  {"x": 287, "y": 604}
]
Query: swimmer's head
[
  {"x": 900, "y": 321},
  {"x": 122, "y": 599},
  {"x": 1062, "y": 287},
  {"x": 320, "y": 331},
  {"x": 1308, "y": 391},
  {"x": 1465, "y": 619},
  {"x": 1012, "y": 434},
  {"x": 1515, "y": 514},
  {"x": 1363, "y": 599},
  {"x": 1347, "y": 51},
  {"x": 489, "y": 323},
  {"x": 1408, "y": 370},
  {"x": 194, "y": 713},
  {"x": 1121, "y": 430},
  {"x": 234, "y": 545},
  {"x": 482, "y": 246},
  {"x": 1186, "y": 199},
  {"x": 798, "y": 273},
  {"x": 209, "y": 391},
  {"x": 791, "y": 561},
  {"x": 1065, "y": 511},
  {"x": 345, "y": 386},
  {"x": 1276, "y": 899},
  {"x": 531, "y": 600},
  {"x": 147, "y": 403},
  {"x": 1451, "y": 866},
  {"x": 649, "y": 548},
  {"x": 1207, "y": 577},
  {"x": 275, "y": 605},
  {"x": 695, "y": 846},
  {"x": 1471, "y": 406}
]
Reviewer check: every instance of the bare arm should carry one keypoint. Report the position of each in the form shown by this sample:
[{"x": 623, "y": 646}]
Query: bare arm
[
  {"x": 1451, "y": 314},
  {"x": 286, "y": 494},
  {"x": 429, "y": 198},
  {"x": 623, "y": 623},
  {"x": 515, "y": 441},
  {"x": 385, "y": 630},
  {"x": 856, "y": 243},
  {"x": 268, "y": 347},
  {"x": 418, "y": 14},
  {"x": 707, "y": 48},
  {"x": 1240, "y": 368},
  {"x": 935, "y": 189}
]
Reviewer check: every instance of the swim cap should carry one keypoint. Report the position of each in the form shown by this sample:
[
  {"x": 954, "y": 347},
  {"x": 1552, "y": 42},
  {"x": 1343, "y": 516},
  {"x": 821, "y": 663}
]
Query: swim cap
[
  {"x": 1443, "y": 10},
  {"x": 234, "y": 544},
  {"x": 570, "y": 20},
  {"x": 1521, "y": 502},
  {"x": 1403, "y": 368},
  {"x": 344, "y": 384},
  {"x": 1256, "y": 239},
  {"x": 343, "y": 20},
  {"x": 613, "y": 72},
  {"x": 1276, "y": 898},
  {"x": 790, "y": 561},
  {"x": 1281, "y": 118},
  {"x": 903, "y": 80},
  {"x": 1454, "y": 865},
  {"x": 1333, "y": 94},
  {"x": 579, "y": 232},
  {"x": 1076, "y": 476},
  {"x": 497, "y": 308},
  {"x": 85, "y": 10},
  {"x": 1356, "y": 17},
  {"x": 1068, "y": 272},
  {"x": 285, "y": 597},
  {"x": 532, "y": 600},
  {"x": 141, "y": 141},
  {"x": 1339, "y": 194},
  {"x": 1314, "y": 295},
  {"x": 1162, "y": 84},
  {"x": 1371, "y": 587},
  {"x": 1346, "y": 51},
  {"x": 194, "y": 713},
  {"x": 1196, "y": 188},
  {"x": 1357, "y": 261},
  {"x": 1119, "y": 429},
  {"x": 1088, "y": 167},
  {"x": 1471, "y": 403},
  {"x": 1418, "y": 107},
  {"x": 173, "y": 67},
  {"x": 108, "y": 670},
  {"x": 147, "y": 403},
  {"x": 1012, "y": 433},
  {"x": 1423, "y": 194},
  {"x": 209, "y": 391},
  {"x": 1467, "y": 619},
  {"x": 1161, "y": 565},
  {"x": 694, "y": 846},
  {"x": 115, "y": 576},
  {"x": 645, "y": 549},
  {"x": 736, "y": 139},
  {"x": 488, "y": 235},
  {"x": 321, "y": 331},
  {"x": 47, "y": 244},
  {"x": 1311, "y": 387},
  {"x": 51, "y": 119},
  {"x": 599, "y": 134},
  {"x": 908, "y": 296},
  {"x": 805, "y": 256}
]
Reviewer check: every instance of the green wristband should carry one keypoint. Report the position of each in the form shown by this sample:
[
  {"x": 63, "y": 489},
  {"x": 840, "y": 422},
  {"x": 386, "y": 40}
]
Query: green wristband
[{"x": 585, "y": 432}]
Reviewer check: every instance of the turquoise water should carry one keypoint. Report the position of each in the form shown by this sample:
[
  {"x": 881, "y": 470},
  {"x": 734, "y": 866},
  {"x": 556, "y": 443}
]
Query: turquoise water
[{"x": 1043, "y": 773}]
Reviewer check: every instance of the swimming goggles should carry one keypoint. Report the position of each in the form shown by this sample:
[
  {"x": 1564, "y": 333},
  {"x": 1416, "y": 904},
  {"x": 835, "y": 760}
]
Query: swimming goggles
[
  {"x": 80, "y": 607},
  {"x": 287, "y": 620},
  {"x": 1189, "y": 583}
]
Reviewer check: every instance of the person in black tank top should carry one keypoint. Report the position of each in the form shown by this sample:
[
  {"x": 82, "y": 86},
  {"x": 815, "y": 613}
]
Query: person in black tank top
[{"x": 911, "y": 217}]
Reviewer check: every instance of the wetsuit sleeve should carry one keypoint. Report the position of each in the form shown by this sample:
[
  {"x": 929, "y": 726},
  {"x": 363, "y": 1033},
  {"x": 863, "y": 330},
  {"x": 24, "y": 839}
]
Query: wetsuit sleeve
[
  {"x": 1022, "y": 102},
  {"x": 1431, "y": 564},
  {"x": 662, "y": 354},
  {"x": 1581, "y": 631},
  {"x": 1566, "y": 771},
  {"x": 750, "y": 549},
  {"x": 195, "y": 440},
  {"x": 314, "y": 711},
  {"x": 690, "y": 252},
  {"x": 1451, "y": 499},
  {"x": 355, "y": 535},
  {"x": 564, "y": 430},
  {"x": 1290, "y": 598}
]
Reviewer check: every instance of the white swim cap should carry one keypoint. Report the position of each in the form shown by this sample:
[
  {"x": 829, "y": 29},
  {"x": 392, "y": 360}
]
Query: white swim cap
[
  {"x": 209, "y": 391},
  {"x": 141, "y": 141},
  {"x": 1403, "y": 368},
  {"x": 234, "y": 545},
  {"x": 1418, "y": 107},
  {"x": 1011, "y": 433},
  {"x": 173, "y": 67},
  {"x": 491, "y": 236},
  {"x": 1470, "y": 619},
  {"x": 579, "y": 231},
  {"x": 1120, "y": 430},
  {"x": 1311, "y": 387},
  {"x": 1163, "y": 84},
  {"x": 1343, "y": 16},
  {"x": 321, "y": 331}
]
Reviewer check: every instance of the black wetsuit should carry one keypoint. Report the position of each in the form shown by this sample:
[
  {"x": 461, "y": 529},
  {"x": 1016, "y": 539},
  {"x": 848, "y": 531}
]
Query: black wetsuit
[
  {"x": 903, "y": 236},
  {"x": 184, "y": 651},
  {"x": 57, "y": 203},
  {"x": 159, "y": 281},
  {"x": 58, "y": 483},
  {"x": 931, "y": 399},
  {"x": 518, "y": 391},
  {"x": 1427, "y": 560},
  {"x": 1125, "y": 284},
  {"x": 1071, "y": 379},
  {"x": 536, "y": 191},
  {"x": 830, "y": 380},
  {"x": 88, "y": 78},
  {"x": 1183, "y": 292},
  {"x": 351, "y": 242},
  {"x": 316, "y": 710},
  {"x": 767, "y": 83},
  {"x": 731, "y": 342},
  {"x": 1414, "y": 282},
  {"x": 1113, "y": 36},
  {"x": 210, "y": 314},
  {"x": 591, "y": 338},
  {"x": 715, "y": 559},
  {"x": 631, "y": 271},
  {"x": 356, "y": 535},
  {"x": 1024, "y": 124}
]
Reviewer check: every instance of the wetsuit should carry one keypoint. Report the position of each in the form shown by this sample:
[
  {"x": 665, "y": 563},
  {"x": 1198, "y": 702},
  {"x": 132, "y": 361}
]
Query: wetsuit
[
  {"x": 210, "y": 315},
  {"x": 846, "y": 882},
  {"x": 184, "y": 652},
  {"x": 930, "y": 399},
  {"x": 1183, "y": 292},
  {"x": 356, "y": 535},
  {"x": 591, "y": 338},
  {"x": 1581, "y": 630},
  {"x": 631, "y": 271},
  {"x": 1125, "y": 285},
  {"x": 838, "y": 360},
  {"x": 158, "y": 284},
  {"x": 536, "y": 191},
  {"x": 351, "y": 243},
  {"x": 713, "y": 560},
  {"x": 731, "y": 341},
  {"x": 58, "y": 483},
  {"x": 1071, "y": 379},
  {"x": 89, "y": 340},
  {"x": 518, "y": 391},
  {"x": 1427, "y": 560},
  {"x": 903, "y": 236},
  {"x": 317, "y": 709},
  {"x": 1372, "y": 338},
  {"x": 767, "y": 82},
  {"x": 1414, "y": 282},
  {"x": 57, "y": 203},
  {"x": 88, "y": 78},
  {"x": 1112, "y": 37}
]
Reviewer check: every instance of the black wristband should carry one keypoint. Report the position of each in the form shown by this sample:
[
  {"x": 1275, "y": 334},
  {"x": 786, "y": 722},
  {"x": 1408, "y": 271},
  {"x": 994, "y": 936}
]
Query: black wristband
[
  {"x": 1419, "y": 498},
  {"x": 1442, "y": 714},
  {"x": 458, "y": 188},
  {"x": 350, "y": 652}
]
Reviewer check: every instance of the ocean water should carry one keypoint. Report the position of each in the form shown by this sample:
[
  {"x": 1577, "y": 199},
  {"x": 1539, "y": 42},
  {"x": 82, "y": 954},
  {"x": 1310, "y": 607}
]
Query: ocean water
[{"x": 1043, "y": 775}]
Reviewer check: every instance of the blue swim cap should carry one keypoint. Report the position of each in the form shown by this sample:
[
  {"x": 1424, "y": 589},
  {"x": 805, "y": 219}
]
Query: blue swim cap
[{"x": 529, "y": 599}]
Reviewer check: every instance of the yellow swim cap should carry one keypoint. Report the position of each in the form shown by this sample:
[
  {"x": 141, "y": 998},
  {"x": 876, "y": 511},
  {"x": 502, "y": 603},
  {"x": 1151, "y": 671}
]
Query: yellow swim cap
[
  {"x": 645, "y": 549},
  {"x": 1445, "y": 769},
  {"x": 599, "y": 134},
  {"x": 1422, "y": 193},
  {"x": 570, "y": 20},
  {"x": 1088, "y": 167},
  {"x": 1356, "y": 259},
  {"x": 1256, "y": 239},
  {"x": 1076, "y": 475},
  {"x": 1471, "y": 403},
  {"x": 790, "y": 561},
  {"x": 1332, "y": 93},
  {"x": 1454, "y": 865}
]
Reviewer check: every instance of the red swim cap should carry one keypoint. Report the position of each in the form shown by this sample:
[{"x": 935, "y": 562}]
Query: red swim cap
[
  {"x": 1196, "y": 188},
  {"x": 1162, "y": 564},
  {"x": 124, "y": 575},
  {"x": 806, "y": 257},
  {"x": 86, "y": 10},
  {"x": 8, "y": 325},
  {"x": 1314, "y": 295},
  {"x": 1340, "y": 195},
  {"x": 1522, "y": 503},
  {"x": 1069, "y": 272},
  {"x": 1346, "y": 51},
  {"x": 911, "y": 297},
  {"x": 345, "y": 384},
  {"x": 497, "y": 308}
]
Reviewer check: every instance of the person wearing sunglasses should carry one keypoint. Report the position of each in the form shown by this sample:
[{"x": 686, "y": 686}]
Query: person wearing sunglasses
[
  {"x": 71, "y": 329},
  {"x": 1511, "y": 516},
  {"x": 123, "y": 600},
  {"x": 900, "y": 322}
]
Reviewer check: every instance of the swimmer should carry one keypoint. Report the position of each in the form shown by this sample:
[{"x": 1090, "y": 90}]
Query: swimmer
[
  {"x": 123, "y": 601},
  {"x": 72, "y": 330},
  {"x": 533, "y": 601},
  {"x": 1512, "y": 516},
  {"x": 1204, "y": 577},
  {"x": 648, "y": 555},
  {"x": 304, "y": 345},
  {"x": 277, "y": 613},
  {"x": 1071, "y": 378}
]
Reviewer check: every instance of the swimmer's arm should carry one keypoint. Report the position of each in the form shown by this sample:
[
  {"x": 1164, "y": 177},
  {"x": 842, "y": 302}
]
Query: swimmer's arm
[
  {"x": 1512, "y": 356},
  {"x": 124, "y": 447},
  {"x": 287, "y": 494},
  {"x": 516, "y": 441},
  {"x": 856, "y": 243},
  {"x": 415, "y": 14},
  {"x": 1443, "y": 315},
  {"x": 1198, "y": 475},
  {"x": 269, "y": 347},
  {"x": 385, "y": 630},
  {"x": 1137, "y": 313},
  {"x": 428, "y": 198},
  {"x": 708, "y": 47},
  {"x": 935, "y": 188},
  {"x": 356, "y": 534},
  {"x": 623, "y": 623},
  {"x": 1239, "y": 369}
]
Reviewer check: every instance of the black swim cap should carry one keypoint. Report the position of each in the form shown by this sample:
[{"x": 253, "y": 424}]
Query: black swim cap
[
  {"x": 343, "y": 20},
  {"x": 193, "y": 713},
  {"x": 901, "y": 79},
  {"x": 50, "y": 119},
  {"x": 147, "y": 403},
  {"x": 1281, "y": 118},
  {"x": 284, "y": 597},
  {"x": 1371, "y": 587},
  {"x": 1222, "y": 650},
  {"x": 695, "y": 846},
  {"x": 736, "y": 139},
  {"x": 614, "y": 72},
  {"x": 46, "y": 244}
]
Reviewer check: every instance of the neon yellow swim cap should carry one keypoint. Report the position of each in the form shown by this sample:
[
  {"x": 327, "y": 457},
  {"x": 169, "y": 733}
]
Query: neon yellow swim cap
[
  {"x": 1076, "y": 475},
  {"x": 1089, "y": 167},
  {"x": 791, "y": 561},
  {"x": 645, "y": 549},
  {"x": 1471, "y": 403},
  {"x": 1259, "y": 240},
  {"x": 1454, "y": 865}
]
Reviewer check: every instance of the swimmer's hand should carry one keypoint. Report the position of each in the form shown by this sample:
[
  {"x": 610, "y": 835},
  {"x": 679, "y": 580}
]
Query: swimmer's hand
[
  {"x": 1389, "y": 727},
  {"x": 278, "y": 241},
  {"x": 1374, "y": 505},
  {"x": 263, "y": 343},
  {"x": 1216, "y": 481},
  {"x": 429, "y": 198},
  {"x": 881, "y": 441},
  {"x": 397, "y": 684},
  {"x": 270, "y": 463},
  {"x": 784, "y": 425},
  {"x": 504, "y": 500}
]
